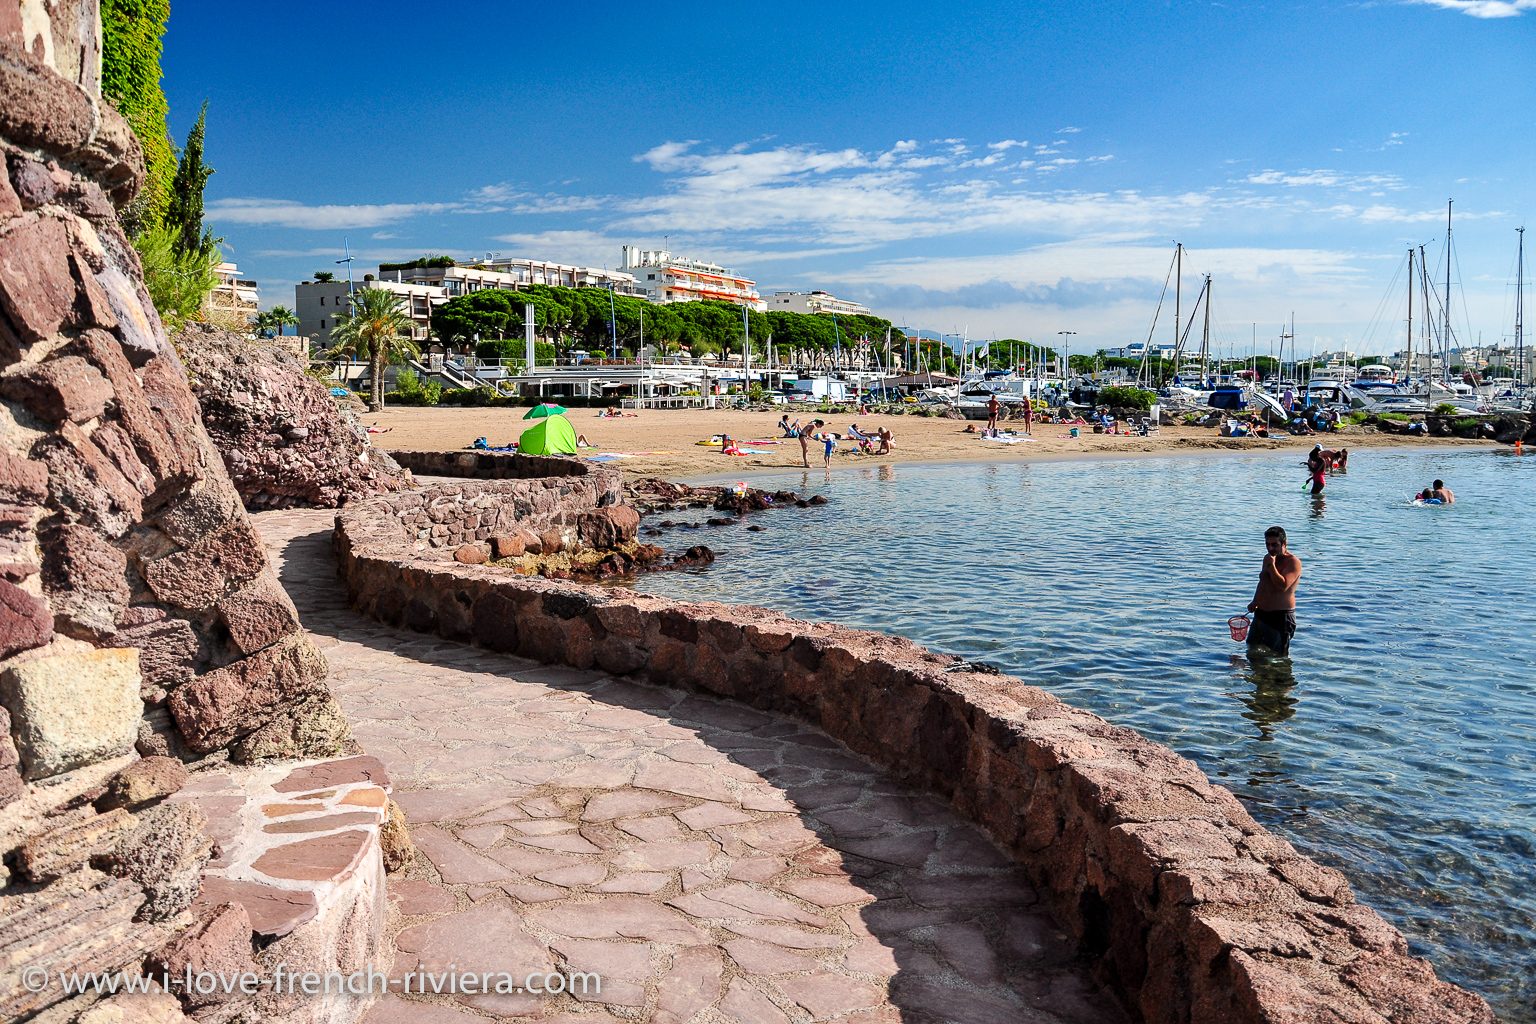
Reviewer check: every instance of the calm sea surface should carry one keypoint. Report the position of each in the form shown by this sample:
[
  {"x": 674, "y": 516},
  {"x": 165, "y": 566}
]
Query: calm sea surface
[{"x": 1397, "y": 744}]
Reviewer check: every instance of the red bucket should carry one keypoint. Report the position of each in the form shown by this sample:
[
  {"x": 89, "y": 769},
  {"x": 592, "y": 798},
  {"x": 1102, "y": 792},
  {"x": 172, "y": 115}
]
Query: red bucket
[{"x": 1238, "y": 624}]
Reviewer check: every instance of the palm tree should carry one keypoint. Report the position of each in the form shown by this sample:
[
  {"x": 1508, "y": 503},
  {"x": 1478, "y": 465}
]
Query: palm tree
[
  {"x": 376, "y": 327},
  {"x": 279, "y": 317}
]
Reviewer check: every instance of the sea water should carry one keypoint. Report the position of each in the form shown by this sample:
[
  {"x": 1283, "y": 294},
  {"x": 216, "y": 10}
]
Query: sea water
[{"x": 1398, "y": 742}]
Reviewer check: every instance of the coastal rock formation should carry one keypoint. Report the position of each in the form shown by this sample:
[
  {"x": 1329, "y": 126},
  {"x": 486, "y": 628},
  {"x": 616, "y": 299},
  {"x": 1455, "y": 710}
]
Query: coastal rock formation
[
  {"x": 1190, "y": 910},
  {"x": 284, "y": 440},
  {"x": 137, "y": 605}
]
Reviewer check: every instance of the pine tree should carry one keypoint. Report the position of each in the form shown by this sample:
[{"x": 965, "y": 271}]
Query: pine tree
[{"x": 185, "y": 212}]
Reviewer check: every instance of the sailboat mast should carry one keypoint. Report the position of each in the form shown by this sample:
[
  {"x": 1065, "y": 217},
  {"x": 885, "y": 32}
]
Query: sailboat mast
[
  {"x": 1520, "y": 308},
  {"x": 1178, "y": 294},
  {"x": 1408, "y": 373},
  {"x": 1205, "y": 340},
  {"x": 1445, "y": 339}
]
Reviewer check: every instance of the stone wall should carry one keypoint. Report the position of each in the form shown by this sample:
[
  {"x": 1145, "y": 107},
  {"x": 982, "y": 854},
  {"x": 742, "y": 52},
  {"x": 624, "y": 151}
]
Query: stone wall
[
  {"x": 120, "y": 526},
  {"x": 454, "y": 514},
  {"x": 484, "y": 465},
  {"x": 1193, "y": 911}
]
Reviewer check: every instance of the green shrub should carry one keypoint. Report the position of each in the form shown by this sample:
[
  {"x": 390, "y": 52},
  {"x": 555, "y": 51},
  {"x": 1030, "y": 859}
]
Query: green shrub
[
  {"x": 1466, "y": 423},
  {"x": 1399, "y": 416},
  {"x": 1445, "y": 409},
  {"x": 177, "y": 281},
  {"x": 1357, "y": 417},
  {"x": 409, "y": 390},
  {"x": 1126, "y": 398}
]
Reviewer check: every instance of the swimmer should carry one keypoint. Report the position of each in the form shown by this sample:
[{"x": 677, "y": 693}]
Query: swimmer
[{"x": 1443, "y": 493}]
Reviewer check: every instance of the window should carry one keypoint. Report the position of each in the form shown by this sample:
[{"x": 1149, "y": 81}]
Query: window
[
  {"x": 650, "y": 277},
  {"x": 322, "y": 325},
  {"x": 322, "y": 300}
]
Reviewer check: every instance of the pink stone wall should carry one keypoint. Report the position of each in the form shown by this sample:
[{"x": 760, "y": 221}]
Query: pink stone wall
[
  {"x": 1194, "y": 911},
  {"x": 119, "y": 526},
  {"x": 458, "y": 513}
]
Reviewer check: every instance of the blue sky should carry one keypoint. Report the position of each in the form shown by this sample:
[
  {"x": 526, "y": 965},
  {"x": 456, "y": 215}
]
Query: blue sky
[{"x": 1014, "y": 170}]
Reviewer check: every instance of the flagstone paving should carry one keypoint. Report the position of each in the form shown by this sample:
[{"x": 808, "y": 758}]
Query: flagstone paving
[{"x": 709, "y": 862}]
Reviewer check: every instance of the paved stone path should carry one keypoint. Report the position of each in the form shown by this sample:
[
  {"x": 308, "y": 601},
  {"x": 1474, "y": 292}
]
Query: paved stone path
[{"x": 709, "y": 862}]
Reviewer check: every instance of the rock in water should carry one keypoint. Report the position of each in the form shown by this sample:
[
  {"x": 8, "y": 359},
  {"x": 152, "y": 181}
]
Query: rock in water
[{"x": 284, "y": 440}]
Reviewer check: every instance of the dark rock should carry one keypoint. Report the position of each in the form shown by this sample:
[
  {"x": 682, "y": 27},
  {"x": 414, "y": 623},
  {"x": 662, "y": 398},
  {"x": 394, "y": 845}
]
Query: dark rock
[
  {"x": 279, "y": 431},
  {"x": 507, "y": 546},
  {"x": 169, "y": 650},
  {"x": 696, "y": 555},
  {"x": 37, "y": 290},
  {"x": 219, "y": 943},
  {"x": 722, "y": 522},
  {"x": 83, "y": 578},
  {"x": 549, "y": 542},
  {"x": 64, "y": 388},
  {"x": 609, "y": 527},
  {"x": 802, "y": 503},
  {"x": 82, "y": 480},
  {"x": 165, "y": 854},
  {"x": 143, "y": 781},
  {"x": 259, "y": 616},
  {"x": 217, "y": 707},
  {"x": 817, "y": 499},
  {"x": 220, "y": 564},
  {"x": 34, "y": 185},
  {"x": 24, "y": 621},
  {"x": 754, "y": 528},
  {"x": 472, "y": 554}
]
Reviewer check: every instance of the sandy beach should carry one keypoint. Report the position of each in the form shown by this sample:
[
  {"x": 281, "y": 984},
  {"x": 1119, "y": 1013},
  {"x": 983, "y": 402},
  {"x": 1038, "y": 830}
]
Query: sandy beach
[{"x": 662, "y": 442}]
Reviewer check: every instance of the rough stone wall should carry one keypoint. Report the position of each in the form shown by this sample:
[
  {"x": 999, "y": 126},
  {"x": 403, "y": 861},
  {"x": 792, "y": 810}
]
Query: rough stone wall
[
  {"x": 119, "y": 527},
  {"x": 454, "y": 514},
  {"x": 1194, "y": 912},
  {"x": 284, "y": 440},
  {"x": 489, "y": 465}
]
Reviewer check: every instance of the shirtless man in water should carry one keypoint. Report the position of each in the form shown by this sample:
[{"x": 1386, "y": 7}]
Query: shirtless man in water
[{"x": 1274, "y": 600}]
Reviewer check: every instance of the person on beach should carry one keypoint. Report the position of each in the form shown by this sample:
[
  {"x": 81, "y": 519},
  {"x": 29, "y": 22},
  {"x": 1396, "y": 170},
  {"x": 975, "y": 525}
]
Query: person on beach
[
  {"x": 886, "y": 437},
  {"x": 1029, "y": 414},
  {"x": 992, "y": 413},
  {"x": 805, "y": 450},
  {"x": 1443, "y": 493},
  {"x": 829, "y": 443},
  {"x": 1274, "y": 599},
  {"x": 1316, "y": 467},
  {"x": 784, "y": 427}
]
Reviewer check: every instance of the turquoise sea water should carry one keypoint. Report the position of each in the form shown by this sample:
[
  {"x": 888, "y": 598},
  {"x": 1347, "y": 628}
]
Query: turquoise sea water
[{"x": 1397, "y": 744}]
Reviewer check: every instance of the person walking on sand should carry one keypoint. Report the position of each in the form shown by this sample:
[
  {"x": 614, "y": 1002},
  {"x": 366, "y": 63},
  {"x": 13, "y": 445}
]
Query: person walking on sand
[{"x": 1274, "y": 599}]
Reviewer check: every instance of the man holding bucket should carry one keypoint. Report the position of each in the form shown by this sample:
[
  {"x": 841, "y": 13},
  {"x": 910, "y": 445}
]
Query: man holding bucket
[{"x": 1274, "y": 600}]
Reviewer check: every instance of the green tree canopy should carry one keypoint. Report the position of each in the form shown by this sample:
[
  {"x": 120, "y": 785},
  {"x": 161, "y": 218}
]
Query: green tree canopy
[
  {"x": 378, "y": 328},
  {"x": 185, "y": 211}
]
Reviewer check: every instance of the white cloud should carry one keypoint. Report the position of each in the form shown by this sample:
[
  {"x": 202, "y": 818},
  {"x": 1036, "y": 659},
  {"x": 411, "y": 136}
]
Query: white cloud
[
  {"x": 1484, "y": 8},
  {"x": 1325, "y": 179},
  {"x": 288, "y": 214},
  {"x": 1067, "y": 131},
  {"x": 1007, "y": 144}
]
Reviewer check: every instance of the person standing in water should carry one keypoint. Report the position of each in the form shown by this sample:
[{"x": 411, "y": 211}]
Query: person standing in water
[
  {"x": 1317, "y": 466},
  {"x": 1274, "y": 599},
  {"x": 1443, "y": 492}
]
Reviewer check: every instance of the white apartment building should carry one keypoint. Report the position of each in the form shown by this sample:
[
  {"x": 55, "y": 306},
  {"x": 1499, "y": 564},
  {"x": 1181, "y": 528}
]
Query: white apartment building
[
  {"x": 317, "y": 304},
  {"x": 667, "y": 278},
  {"x": 510, "y": 274},
  {"x": 814, "y": 302}
]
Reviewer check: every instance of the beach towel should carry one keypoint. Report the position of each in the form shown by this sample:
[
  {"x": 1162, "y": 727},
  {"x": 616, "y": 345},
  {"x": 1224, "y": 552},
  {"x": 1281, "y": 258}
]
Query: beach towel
[{"x": 1008, "y": 440}]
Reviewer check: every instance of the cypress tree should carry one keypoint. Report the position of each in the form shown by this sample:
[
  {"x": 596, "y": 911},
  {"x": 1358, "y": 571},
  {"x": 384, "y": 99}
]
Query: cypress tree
[{"x": 185, "y": 212}]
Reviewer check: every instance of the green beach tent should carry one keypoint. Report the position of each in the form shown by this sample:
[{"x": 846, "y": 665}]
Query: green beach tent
[
  {"x": 552, "y": 435},
  {"x": 543, "y": 410}
]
